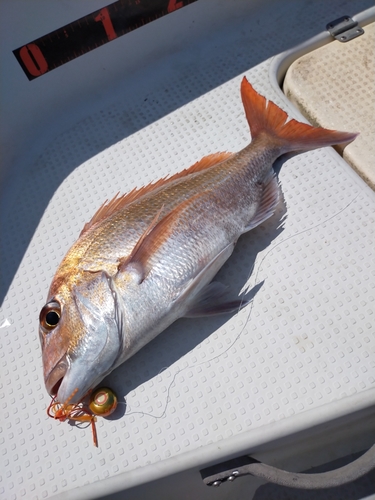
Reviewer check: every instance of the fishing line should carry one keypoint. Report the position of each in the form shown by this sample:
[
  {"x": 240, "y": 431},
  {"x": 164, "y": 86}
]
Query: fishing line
[{"x": 248, "y": 316}]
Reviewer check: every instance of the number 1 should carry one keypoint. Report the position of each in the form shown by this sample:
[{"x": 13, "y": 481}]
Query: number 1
[{"x": 104, "y": 18}]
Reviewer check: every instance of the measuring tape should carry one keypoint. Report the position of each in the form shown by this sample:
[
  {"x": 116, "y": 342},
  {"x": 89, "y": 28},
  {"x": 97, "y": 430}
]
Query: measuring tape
[{"x": 87, "y": 33}]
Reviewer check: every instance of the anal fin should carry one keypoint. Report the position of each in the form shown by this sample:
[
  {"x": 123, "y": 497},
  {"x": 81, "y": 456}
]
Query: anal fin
[{"x": 269, "y": 201}]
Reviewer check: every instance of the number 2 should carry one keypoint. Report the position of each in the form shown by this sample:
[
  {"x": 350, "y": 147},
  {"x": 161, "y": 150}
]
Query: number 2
[{"x": 174, "y": 5}]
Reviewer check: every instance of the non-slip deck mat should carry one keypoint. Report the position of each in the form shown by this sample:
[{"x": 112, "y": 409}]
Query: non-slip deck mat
[{"x": 307, "y": 338}]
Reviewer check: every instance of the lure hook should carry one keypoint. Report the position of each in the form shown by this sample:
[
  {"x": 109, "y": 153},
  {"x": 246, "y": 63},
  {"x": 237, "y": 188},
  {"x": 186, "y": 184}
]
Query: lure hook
[
  {"x": 76, "y": 411},
  {"x": 103, "y": 402}
]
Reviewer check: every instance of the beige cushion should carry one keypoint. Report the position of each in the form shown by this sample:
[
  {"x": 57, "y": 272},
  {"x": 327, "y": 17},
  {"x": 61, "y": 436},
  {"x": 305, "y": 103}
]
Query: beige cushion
[{"x": 334, "y": 87}]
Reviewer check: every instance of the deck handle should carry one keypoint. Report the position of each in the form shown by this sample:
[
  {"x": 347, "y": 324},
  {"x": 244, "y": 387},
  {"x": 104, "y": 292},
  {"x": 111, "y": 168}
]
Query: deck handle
[{"x": 230, "y": 470}]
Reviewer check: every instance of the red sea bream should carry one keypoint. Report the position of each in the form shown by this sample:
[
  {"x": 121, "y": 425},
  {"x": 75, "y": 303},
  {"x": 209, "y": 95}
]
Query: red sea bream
[{"x": 149, "y": 257}]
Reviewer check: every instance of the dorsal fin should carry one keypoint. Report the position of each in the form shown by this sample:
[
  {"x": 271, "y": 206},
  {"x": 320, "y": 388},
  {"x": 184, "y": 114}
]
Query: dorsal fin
[{"x": 110, "y": 207}]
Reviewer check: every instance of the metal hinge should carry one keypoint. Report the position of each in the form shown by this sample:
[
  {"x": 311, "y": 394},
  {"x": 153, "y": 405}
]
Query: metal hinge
[
  {"x": 344, "y": 29},
  {"x": 225, "y": 471}
]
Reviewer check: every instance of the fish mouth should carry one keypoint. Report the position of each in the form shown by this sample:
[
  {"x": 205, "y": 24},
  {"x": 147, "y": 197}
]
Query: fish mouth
[
  {"x": 55, "y": 388},
  {"x": 54, "y": 380}
]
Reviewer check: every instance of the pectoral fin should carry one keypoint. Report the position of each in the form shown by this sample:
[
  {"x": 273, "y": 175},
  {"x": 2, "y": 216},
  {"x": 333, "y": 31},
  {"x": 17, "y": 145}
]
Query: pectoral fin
[{"x": 137, "y": 260}]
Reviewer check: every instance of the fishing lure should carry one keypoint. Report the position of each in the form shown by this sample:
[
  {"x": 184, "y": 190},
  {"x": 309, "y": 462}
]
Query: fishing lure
[{"x": 103, "y": 402}]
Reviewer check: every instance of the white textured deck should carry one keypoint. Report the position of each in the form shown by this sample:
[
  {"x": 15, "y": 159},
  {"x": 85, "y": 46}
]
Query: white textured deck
[{"x": 306, "y": 341}]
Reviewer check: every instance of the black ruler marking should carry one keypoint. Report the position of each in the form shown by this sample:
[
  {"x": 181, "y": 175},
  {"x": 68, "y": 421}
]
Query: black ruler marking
[{"x": 89, "y": 32}]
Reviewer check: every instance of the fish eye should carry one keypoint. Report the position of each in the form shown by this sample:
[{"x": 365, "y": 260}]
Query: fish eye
[{"x": 50, "y": 315}]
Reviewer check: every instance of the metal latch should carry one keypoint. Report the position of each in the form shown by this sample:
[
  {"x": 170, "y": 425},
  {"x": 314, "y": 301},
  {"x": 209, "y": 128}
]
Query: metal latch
[{"x": 344, "y": 29}]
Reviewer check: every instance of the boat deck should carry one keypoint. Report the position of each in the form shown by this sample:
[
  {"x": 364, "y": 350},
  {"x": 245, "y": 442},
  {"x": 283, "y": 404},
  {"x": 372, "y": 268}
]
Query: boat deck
[{"x": 290, "y": 379}]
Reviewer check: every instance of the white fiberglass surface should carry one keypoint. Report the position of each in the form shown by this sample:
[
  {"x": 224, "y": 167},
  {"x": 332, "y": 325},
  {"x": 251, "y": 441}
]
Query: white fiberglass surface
[{"x": 306, "y": 339}]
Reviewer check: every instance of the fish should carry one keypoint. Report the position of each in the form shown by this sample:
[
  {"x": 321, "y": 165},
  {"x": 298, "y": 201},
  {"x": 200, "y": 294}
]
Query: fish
[{"x": 149, "y": 257}]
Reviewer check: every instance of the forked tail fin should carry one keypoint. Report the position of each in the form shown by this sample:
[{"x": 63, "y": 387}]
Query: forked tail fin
[{"x": 267, "y": 118}]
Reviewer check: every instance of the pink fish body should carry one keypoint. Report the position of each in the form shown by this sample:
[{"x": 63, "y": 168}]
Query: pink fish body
[{"x": 148, "y": 258}]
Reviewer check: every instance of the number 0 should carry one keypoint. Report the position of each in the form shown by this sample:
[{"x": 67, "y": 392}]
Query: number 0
[{"x": 33, "y": 59}]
